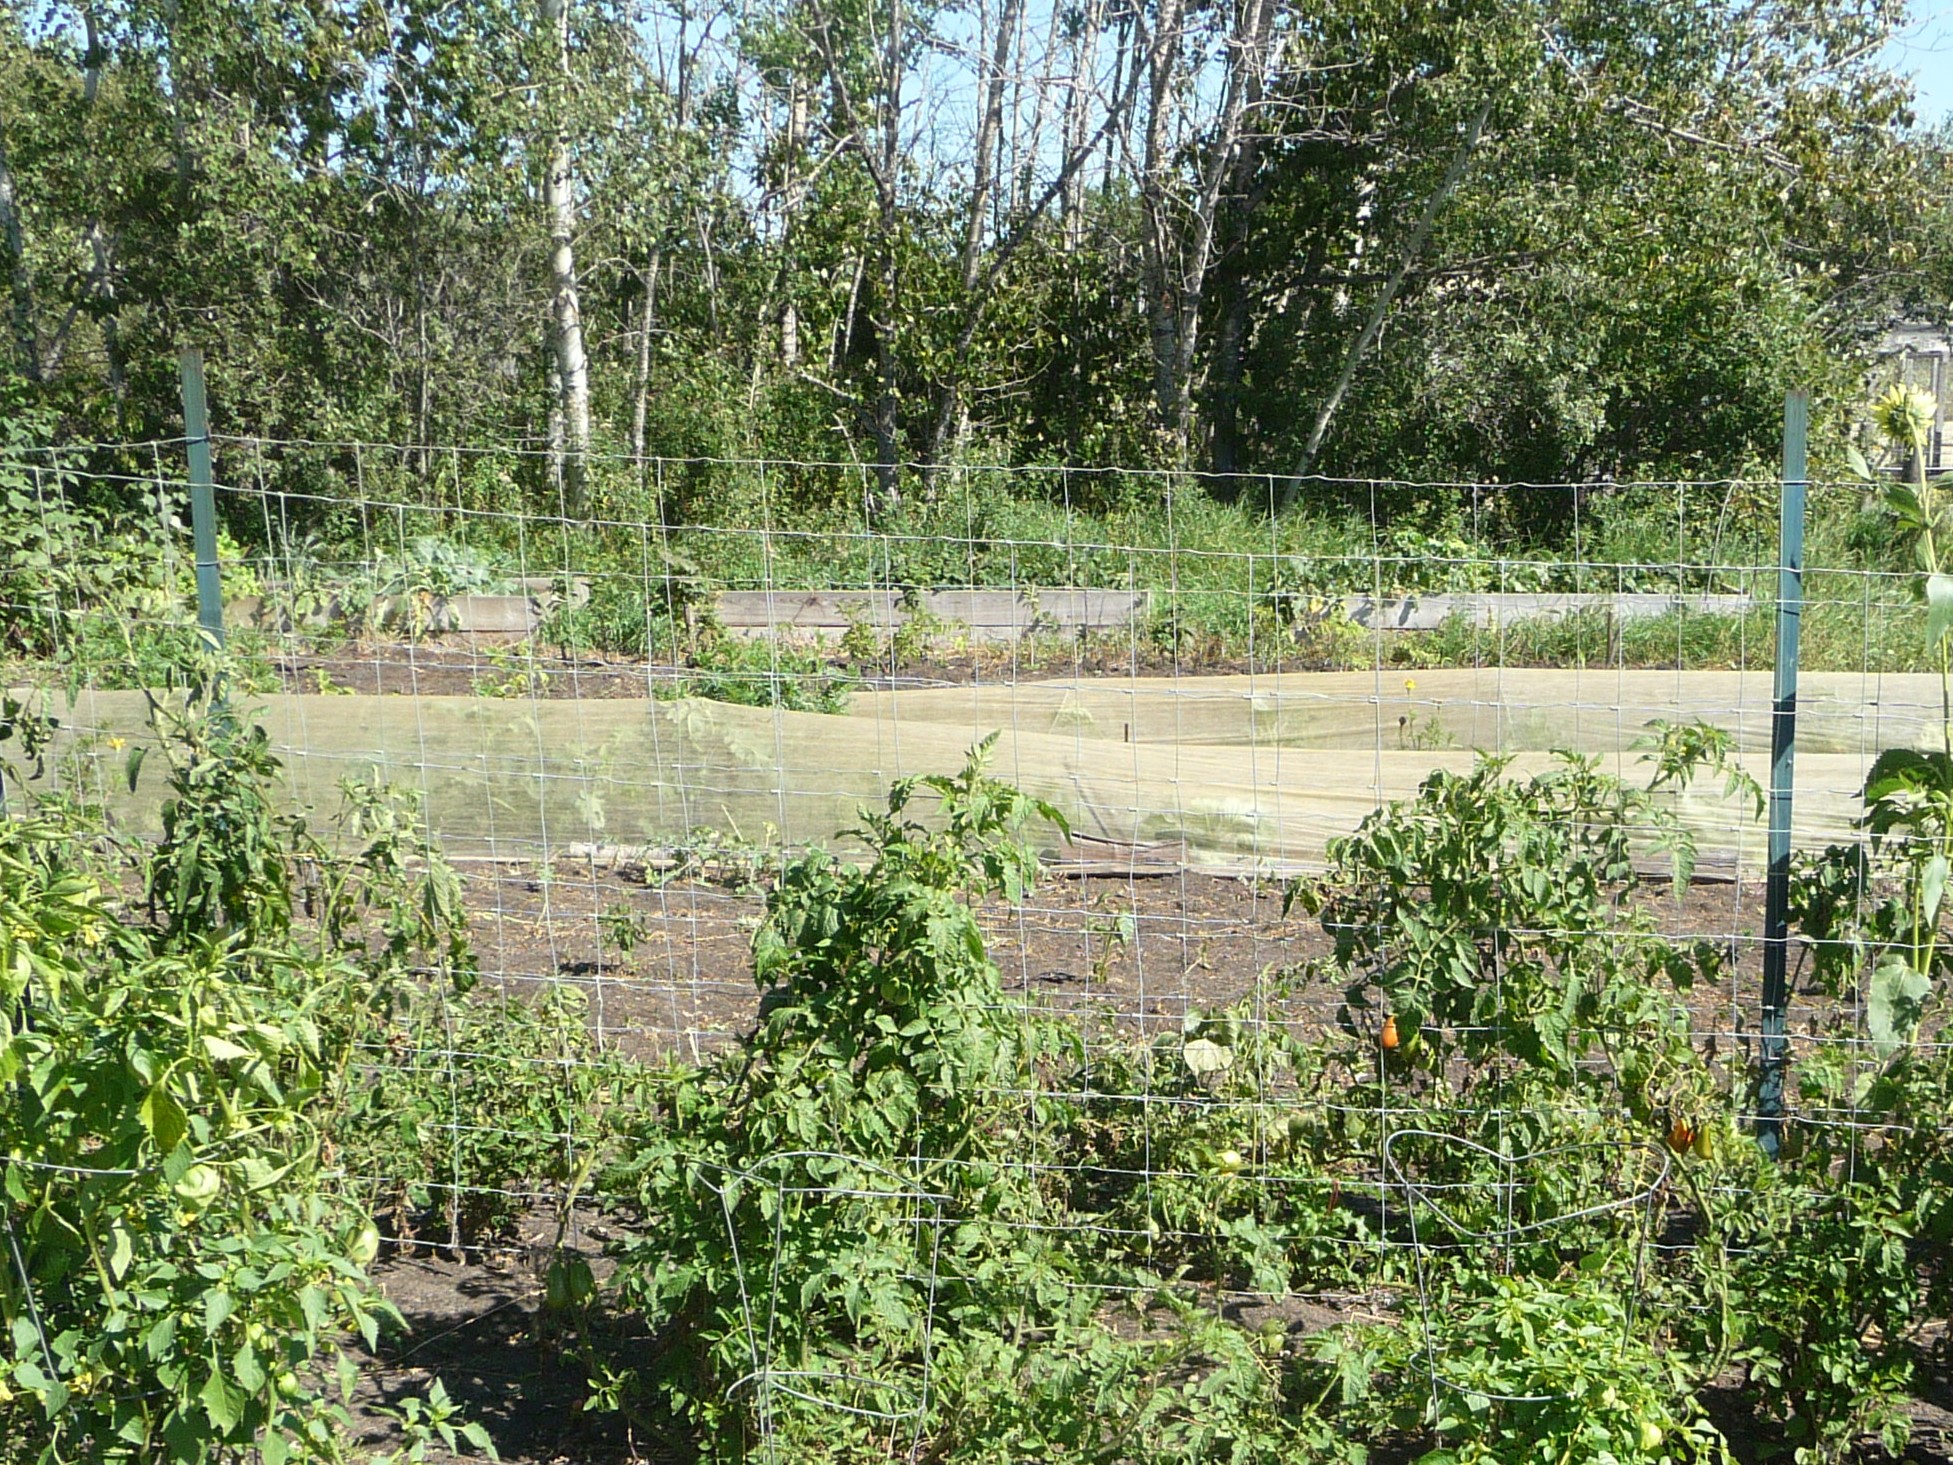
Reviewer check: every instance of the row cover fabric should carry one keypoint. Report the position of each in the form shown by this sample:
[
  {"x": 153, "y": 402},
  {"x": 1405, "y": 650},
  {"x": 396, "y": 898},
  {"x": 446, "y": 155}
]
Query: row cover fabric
[{"x": 1235, "y": 771}]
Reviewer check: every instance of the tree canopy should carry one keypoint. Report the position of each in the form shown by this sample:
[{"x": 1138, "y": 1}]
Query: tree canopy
[{"x": 1434, "y": 239}]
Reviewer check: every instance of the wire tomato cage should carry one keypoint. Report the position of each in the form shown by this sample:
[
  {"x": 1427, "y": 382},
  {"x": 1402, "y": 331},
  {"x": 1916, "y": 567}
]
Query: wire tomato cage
[{"x": 1520, "y": 1201}]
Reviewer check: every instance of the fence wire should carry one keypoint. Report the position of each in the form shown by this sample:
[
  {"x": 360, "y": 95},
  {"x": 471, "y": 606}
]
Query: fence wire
[{"x": 624, "y": 722}]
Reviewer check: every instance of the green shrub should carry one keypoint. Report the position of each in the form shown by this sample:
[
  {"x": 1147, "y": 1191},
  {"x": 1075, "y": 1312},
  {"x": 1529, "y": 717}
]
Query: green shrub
[
  {"x": 762, "y": 673},
  {"x": 474, "y": 1109}
]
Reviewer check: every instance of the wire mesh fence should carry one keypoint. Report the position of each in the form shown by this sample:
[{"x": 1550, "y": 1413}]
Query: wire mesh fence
[{"x": 1402, "y": 840}]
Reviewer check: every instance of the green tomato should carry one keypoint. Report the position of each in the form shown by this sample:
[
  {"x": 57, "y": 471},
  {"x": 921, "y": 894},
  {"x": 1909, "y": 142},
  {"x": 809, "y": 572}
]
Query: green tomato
[
  {"x": 365, "y": 1246},
  {"x": 1650, "y": 1436},
  {"x": 1229, "y": 1162},
  {"x": 199, "y": 1185}
]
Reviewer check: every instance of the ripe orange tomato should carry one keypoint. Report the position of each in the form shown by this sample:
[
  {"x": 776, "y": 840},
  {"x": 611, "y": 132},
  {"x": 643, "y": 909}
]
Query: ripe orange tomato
[{"x": 1388, "y": 1038}]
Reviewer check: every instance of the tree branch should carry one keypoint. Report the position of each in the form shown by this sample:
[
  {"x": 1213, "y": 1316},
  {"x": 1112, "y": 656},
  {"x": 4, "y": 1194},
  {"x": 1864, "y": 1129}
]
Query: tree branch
[{"x": 1366, "y": 338}]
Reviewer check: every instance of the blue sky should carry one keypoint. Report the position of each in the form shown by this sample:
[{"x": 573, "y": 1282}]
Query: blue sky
[{"x": 1925, "y": 48}]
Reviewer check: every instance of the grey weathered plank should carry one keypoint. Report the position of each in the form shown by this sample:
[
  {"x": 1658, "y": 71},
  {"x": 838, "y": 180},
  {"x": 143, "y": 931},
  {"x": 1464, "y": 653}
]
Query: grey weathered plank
[
  {"x": 488, "y": 615},
  {"x": 1429, "y": 612},
  {"x": 988, "y": 614}
]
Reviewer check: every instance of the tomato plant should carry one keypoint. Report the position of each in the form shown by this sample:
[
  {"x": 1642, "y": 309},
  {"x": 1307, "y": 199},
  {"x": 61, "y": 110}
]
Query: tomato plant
[
  {"x": 181, "y": 1263},
  {"x": 1491, "y": 916},
  {"x": 795, "y": 1194}
]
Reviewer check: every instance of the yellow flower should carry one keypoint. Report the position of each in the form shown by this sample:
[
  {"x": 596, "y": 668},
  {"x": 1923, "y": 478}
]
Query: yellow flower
[
  {"x": 1410, "y": 684},
  {"x": 1904, "y": 415},
  {"x": 116, "y": 745}
]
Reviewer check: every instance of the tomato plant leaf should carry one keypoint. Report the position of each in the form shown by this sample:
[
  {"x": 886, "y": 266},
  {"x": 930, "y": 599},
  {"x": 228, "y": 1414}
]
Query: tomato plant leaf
[
  {"x": 163, "y": 1117},
  {"x": 1893, "y": 1002}
]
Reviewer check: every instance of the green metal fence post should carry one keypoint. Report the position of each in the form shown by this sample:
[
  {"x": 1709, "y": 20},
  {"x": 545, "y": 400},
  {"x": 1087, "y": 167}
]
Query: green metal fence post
[
  {"x": 203, "y": 503},
  {"x": 1774, "y": 1049}
]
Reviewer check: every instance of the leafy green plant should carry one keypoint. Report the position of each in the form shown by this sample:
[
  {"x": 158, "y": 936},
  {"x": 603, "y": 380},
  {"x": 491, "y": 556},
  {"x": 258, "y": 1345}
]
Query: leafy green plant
[
  {"x": 224, "y": 860},
  {"x": 1876, "y": 908},
  {"x": 434, "y": 1428},
  {"x": 512, "y": 672},
  {"x": 412, "y": 585},
  {"x": 916, "y": 635},
  {"x": 622, "y": 929},
  {"x": 101, "y": 598},
  {"x": 1826, "y": 1292},
  {"x": 762, "y": 673},
  {"x": 182, "y": 1267},
  {"x": 386, "y": 888},
  {"x": 861, "y": 643},
  {"x": 1841, "y": 897},
  {"x": 794, "y": 1193},
  {"x": 729, "y": 857},
  {"x": 1874, "y": 911},
  {"x": 620, "y": 617},
  {"x": 1549, "y": 1371},
  {"x": 472, "y": 1109},
  {"x": 311, "y": 590},
  {"x": 1471, "y": 916}
]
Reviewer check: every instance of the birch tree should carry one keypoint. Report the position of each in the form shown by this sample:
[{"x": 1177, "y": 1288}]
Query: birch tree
[
  {"x": 20, "y": 286},
  {"x": 1182, "y": 211},
  {"x": 569, "y": 423}
]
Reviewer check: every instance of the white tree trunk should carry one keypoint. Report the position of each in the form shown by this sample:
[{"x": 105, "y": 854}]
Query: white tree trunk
[
  {"x": 791, "y": 200},
  {"x": 1178, "y": 241},
  {"x": 1078, "y": 101},
  {"x": 1161, "y": 59},
  {"x": 571, "y": 367},
  {"x": 1231, "y": 157},
  {"x": 641, "y": 388}
]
